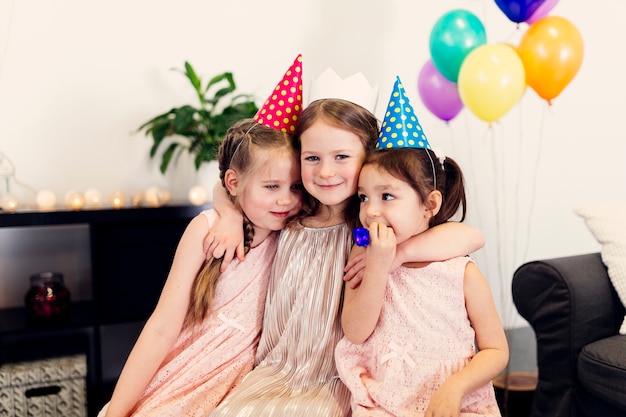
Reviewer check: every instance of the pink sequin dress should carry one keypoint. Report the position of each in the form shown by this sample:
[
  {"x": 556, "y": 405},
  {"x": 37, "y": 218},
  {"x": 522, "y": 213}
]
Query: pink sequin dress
[
  {"x": 296, "y": 374},
  {"x": 422, "y": 337},
  {"x": 208, "y": 360}
]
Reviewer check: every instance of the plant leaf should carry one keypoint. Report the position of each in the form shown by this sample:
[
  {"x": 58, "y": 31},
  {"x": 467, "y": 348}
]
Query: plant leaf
[
  {"x": 159, "y": 132},
  {"x": 155, "y": 119},
  {"x": 220, "y": 77},
  {"x": 167, "y": 156},
  {"x": 184, "y": 118},
  {"x": 193, "y": 78}
]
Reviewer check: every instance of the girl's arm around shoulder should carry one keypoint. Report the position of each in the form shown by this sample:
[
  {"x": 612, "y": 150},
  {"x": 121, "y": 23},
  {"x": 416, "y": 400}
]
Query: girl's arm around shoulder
[
  {"x": 493, "y": 350},
  {"x": 226, "y": 236},
  {"x": 165, "y": 323},
  {"x": 439, "y": 243}
]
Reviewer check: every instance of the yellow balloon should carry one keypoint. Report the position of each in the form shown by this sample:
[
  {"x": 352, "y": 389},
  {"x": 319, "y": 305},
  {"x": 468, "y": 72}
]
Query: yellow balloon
[{"x": 491, "y": 80}]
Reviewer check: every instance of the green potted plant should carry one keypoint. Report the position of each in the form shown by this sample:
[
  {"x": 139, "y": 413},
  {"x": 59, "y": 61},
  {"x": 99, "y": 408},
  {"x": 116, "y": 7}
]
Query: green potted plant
[{"x": 199, "y": 130}]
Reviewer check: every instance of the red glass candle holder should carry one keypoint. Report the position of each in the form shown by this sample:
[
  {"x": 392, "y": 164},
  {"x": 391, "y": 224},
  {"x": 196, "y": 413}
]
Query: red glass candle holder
[{"x": 47, "y": 299}]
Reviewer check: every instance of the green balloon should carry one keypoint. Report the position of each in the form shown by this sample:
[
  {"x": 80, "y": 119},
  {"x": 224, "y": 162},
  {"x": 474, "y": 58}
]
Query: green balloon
[{"x": 453, "y": 36}]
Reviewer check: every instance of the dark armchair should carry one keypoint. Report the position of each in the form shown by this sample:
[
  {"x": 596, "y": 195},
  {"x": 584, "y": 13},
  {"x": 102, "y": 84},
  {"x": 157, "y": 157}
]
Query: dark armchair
[{"x": 575, "y": 314}]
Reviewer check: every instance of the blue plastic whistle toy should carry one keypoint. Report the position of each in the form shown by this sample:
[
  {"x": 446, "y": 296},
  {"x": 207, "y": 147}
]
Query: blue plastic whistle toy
[{"x": 361, "y": 236}]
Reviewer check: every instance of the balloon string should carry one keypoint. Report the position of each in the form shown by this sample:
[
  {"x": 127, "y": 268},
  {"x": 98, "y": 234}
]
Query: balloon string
[
  {"x": 451, "y": 140},
  {"x": 533, "y": 193},
  {"x": 500, "y": 178},
  {"x": 515, "y": 33},
  {"x": 517, "y": 219},
  {"x": 473, "y": 170},
  {"x": 518, "y": 178},
  {"x": 498, "y": 216}
]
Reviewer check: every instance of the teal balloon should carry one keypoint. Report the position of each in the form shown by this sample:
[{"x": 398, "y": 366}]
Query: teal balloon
[{"x": 452, "y": 38}]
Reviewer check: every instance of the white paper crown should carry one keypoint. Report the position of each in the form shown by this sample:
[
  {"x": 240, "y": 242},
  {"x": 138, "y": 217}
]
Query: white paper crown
[{"x": 355, "y": 89}]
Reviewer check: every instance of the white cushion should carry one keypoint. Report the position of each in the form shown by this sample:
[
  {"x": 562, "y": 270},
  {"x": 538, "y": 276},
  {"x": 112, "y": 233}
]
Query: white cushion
[{"x": 607, "y": 223}]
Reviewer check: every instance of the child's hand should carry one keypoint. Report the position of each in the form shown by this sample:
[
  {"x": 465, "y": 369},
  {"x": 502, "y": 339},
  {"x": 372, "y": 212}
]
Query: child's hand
[
  {"x": 446, "y": 402},
  {"x": 382, "y": 247},
  {"x": 355, "y": 267},
  {"x": 225, "y": 239}
]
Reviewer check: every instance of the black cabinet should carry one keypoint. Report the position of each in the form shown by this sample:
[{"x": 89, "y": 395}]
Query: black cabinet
[{"x": 131, "y": 254}]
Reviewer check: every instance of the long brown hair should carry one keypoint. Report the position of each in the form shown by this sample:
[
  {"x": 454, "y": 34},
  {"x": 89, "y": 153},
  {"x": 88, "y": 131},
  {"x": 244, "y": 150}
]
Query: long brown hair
[
  {"x": 421, "y": 169},
  {"x": 238, "y": 151},
  {"x": 347, "y": 116}
]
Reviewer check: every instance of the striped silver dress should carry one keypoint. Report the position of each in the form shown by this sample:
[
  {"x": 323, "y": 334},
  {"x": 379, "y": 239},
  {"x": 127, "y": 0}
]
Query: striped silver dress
[{"x": 295, "y": 373}]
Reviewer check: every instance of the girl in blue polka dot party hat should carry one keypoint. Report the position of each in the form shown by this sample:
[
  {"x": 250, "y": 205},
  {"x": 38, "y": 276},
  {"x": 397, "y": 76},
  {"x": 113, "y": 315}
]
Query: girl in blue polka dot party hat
[{"x": 423, "y": 339}]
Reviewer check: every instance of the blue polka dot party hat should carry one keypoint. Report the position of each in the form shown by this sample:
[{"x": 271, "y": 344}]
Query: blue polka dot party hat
[{"x": 400, "y": 127}]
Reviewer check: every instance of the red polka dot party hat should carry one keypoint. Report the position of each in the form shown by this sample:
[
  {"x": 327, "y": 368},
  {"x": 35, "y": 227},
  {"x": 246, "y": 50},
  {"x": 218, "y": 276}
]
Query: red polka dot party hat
[
  {"x": 400, "y": 128},
  {"x": 282, "y": 108}
]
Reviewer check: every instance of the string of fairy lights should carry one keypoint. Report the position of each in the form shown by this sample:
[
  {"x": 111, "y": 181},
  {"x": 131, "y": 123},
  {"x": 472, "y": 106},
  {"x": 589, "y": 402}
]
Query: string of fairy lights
[{"x": 11, "y": 201}]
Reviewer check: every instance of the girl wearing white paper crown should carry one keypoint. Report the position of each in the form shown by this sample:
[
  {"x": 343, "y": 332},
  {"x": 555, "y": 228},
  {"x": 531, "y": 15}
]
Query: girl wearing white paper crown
[
  {"x": 295, "y": 373},
  {"x": 201, "y": 339},
  {"x": 410, "y": 332}
]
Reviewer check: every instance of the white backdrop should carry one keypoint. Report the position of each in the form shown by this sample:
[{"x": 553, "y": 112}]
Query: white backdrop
[{"x": 77, "y": 78}]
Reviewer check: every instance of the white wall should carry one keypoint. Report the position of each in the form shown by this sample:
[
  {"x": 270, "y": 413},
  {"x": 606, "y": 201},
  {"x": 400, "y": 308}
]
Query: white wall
[{"x": 77, "y": 78}]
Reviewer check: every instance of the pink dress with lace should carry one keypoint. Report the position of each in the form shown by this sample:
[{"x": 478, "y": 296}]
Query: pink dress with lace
[
  {"x": 208, "y": 360},
  {"x": 423, "y": 336}
]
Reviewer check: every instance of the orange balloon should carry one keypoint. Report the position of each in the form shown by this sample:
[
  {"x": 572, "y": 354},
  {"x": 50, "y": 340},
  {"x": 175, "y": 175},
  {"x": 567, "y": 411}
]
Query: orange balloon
[{"x": 552, "y": 52}]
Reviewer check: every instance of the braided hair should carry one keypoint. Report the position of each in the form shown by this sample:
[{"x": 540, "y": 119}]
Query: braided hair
[{"x": 238, "y": 151}]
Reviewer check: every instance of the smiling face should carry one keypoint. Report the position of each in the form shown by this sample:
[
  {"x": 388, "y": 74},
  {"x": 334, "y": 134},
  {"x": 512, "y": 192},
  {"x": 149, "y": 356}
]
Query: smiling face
[
  {"x": 388, "y": 200},
  {"x": 271, "y": 194},
  {"x": 331, "y": 160}
]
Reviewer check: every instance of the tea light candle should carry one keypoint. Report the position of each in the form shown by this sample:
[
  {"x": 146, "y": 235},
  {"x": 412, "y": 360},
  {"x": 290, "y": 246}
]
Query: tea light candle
[
  {"x": 46, "y": 200},
  {"x": 152, "y": 196},
  {"x": 165, "y": 196},
  {"x": 75, "y": 201},
  {"x": 118, "y": 198},
  {"x": 93, "y": 198},
  {"x": 9, "y": 203},
  {"x": 137, "y": 198},
  {"x": 197, "y": 195}
]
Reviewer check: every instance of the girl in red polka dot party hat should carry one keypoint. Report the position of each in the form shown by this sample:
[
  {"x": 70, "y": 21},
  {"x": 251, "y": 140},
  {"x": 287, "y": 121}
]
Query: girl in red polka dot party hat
[
  {"x": 202, "y": 337},
  {"x": 422, "y": 339}
]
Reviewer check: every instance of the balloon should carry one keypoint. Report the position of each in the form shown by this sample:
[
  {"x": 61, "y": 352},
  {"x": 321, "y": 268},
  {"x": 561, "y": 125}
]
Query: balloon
[
  {"x": 542, "y": 11},
  {"x": 519, "y": 10},
  {"x": 438, "y": 94},
  {"x": 491, "y": 81},
  {"x": 552, "y": 52},
  {"x": 453, "y": 36}
]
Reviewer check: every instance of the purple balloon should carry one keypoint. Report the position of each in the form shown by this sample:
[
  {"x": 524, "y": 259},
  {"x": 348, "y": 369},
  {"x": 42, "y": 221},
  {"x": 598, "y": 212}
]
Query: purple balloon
[
  {"x": 542, "y": 11},
  {"x": 439, "y": 95}
]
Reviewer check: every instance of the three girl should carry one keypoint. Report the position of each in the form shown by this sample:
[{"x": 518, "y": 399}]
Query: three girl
[
  {"x": 295, "y": 372},
  {"x": 201, "y": 339}
]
